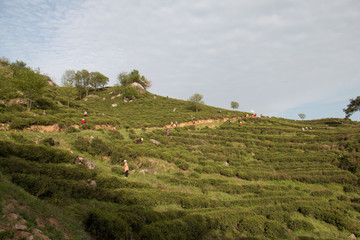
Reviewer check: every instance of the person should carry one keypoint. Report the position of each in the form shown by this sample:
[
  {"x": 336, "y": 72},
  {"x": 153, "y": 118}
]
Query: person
[
  {"x": 139, "y": 141},
  {"x": 85, "y": 114},
  {"x": 126, "y": 169},
  {"x": 167, "y": 131},
  {"x": 44, "y": 112},
  {"x": 240, "y": 124},
  {"x": 83, "y": 121}
]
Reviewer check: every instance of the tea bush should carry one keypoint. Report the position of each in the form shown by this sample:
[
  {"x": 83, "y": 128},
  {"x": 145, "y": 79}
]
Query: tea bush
[
  {"x": 252, "y": 225},
  {"x": 107, "y": 226},
  {"x": 21, "y": 123},
  {"x": 115, "y": 135},
  {"x": 99, "y": 147},
  {"x": 299, "y": 225},
  {"x": 81, "y": 144},
  {"x": 322, "y": 193}
]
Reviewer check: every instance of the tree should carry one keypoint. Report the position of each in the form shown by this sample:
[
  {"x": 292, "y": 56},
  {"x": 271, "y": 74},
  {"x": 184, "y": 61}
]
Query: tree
[
  {"x": 82, "y": 82},
  {"x": 301, "y": 116},
  {"x": 68, "y": 81},
  {"x": 98, "y": 80},
  {"x": 234, "y": 105},
  {"x": 196, "y": 99},
  {"x": 30, "y": 83},
  {"x": 127, "y": 79},
  {"x": 352, "y": 107}
]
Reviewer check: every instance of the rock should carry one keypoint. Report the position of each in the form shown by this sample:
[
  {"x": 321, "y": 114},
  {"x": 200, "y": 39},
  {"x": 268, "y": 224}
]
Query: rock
[
  {"x": 226, "y": 163},
  {"x": 39, "y": 235},
  {"x": 104, "y": 98},
  {"x": 154, "y": 141},
  {"x": 22, "y": 222},
  {"x": 114, "y": 105},
  {"x": 25, "y": 235},
  {"x": 352, "y": 236},
  {"x": 142, "y": 171},
  {"x": 17, "y": 101},
  {"x": 113, "y": 97},
  {"x": 86, "y": 162},
  {"x": 93, "y": 183},
  {"x": 20, "y": 227},
  {"x": 126, "y": 99},
  {"x": 138, "y": 87},
  {"x": 12, "y": 216}
]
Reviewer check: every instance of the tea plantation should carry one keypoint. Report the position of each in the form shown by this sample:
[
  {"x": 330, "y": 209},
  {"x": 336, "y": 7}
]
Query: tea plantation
[{"x": 266, "y": 178}]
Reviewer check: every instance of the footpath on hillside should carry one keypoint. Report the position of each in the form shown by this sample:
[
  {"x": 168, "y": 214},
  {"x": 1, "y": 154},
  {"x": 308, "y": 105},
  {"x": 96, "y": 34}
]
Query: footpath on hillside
[{"x": 55, "y": 127}]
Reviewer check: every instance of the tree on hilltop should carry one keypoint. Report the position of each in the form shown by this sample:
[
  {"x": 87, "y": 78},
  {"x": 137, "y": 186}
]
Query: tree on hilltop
[
  {"x": 352, "y": 107},
  {"x": 301, "y": 116},
  {"x": 82, "y": 82},
  {"x": 196, "y": 99},
  {"x": 234, "y": 105},
  {"x": 30, "y": 83},
  {"x": 126, "y": 79},
  {"x": 98, "y": 80},
  {"x": 68, "y": 82}
]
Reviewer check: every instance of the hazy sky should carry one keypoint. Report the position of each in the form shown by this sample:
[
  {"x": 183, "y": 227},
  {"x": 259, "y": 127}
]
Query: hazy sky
[{"x": 276, "y": 57}]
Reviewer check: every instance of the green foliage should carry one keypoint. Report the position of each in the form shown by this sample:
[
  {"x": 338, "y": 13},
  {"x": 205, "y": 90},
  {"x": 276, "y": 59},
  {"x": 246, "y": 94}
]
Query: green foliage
[
  {"x": 130, "y": 92},
  {"x": 81, "y": 144},
  {"x": 126, "y": 79},
  {"x": 31, "y": 83},
  {"x": 196, "y": 99},
  {"x": 301, "y": 116},
  {"x": 300, "y": 225},
  {"x": 352, "y": 107},
  {"x": 99, "y": 147},
  {"x": 106, "y": 226},
  {"x": 115, "y": 135},
  {"x": 234, "y": 105}
]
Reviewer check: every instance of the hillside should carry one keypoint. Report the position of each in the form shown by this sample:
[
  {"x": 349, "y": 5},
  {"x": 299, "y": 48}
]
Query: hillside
[{"x": 267, "y": 178}]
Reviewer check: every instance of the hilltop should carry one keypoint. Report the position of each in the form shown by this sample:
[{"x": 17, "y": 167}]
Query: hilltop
[{"x": 253, "y": 178}]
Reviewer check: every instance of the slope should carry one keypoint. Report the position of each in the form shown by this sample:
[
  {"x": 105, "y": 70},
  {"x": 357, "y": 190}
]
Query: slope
[{"x": 266, "y": 178}]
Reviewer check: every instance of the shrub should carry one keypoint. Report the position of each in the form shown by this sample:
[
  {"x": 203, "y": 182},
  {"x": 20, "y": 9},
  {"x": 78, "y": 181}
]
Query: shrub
[
  {"x": 298, "y": 225},
  {"x": 182, "y": 164},
  {"x": 322, "y": 193},
  {"x": 274, "y": 230},
  {"x": 99, "y": 147},
  {"x": 350, "y": 188},
  {"x": 118, "y": 156},
  {"x": 105, "y": 225},
  {"x": 115, "y": 135},
  {"x": 71, "y": 129},
  {"x": 130, "y": 92},
  {"x": 21, "y": 123},
  {"x": 81, "y": 144},
  {"x": 253, "y": 225},
  {"x": 228, "y": 172}
]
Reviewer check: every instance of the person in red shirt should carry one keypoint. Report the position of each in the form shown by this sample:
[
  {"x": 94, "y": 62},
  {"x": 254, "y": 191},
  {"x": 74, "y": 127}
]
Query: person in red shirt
[{"x": 83, "y": 121}]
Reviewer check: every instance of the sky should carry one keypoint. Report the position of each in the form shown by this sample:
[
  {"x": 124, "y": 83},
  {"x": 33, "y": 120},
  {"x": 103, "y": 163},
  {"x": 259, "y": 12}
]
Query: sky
[{"x": 274, "y": 57}]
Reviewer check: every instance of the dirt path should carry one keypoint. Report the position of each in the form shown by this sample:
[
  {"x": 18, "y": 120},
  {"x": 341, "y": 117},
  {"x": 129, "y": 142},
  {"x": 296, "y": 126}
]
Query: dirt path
[{"x": 56, "y": 129}]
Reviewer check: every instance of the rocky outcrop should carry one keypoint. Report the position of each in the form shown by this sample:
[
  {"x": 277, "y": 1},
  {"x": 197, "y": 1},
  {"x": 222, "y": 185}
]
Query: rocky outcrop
[
  {"x": 85, "y": 162},
  {"x": 154, "y": 141},
  {"x": 138, "y": 87}
]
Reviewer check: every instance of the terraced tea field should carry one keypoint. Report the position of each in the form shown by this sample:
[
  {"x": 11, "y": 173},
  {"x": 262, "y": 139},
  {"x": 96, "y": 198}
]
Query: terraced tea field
[{"x": 266, "y": 179}]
